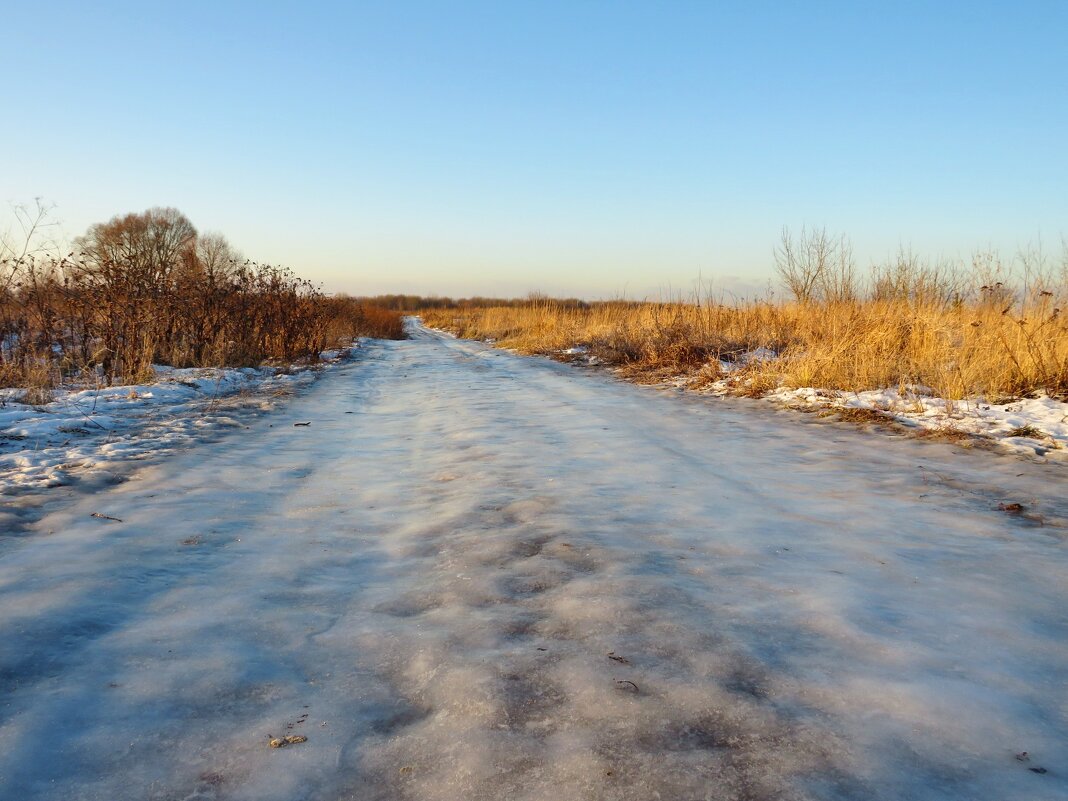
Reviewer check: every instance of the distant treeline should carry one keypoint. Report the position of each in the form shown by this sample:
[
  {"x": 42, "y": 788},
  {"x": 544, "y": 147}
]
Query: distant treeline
[{"x": 416, "y": 303}]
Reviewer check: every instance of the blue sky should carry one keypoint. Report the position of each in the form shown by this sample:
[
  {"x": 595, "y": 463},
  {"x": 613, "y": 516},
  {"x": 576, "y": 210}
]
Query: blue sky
[{"x": 576, "y": 147}]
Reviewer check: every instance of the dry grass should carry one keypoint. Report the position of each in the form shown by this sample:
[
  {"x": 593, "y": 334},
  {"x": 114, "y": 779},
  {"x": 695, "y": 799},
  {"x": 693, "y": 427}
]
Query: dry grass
[
  {"x": 61, "y": 319},
  {"x": 147, "y": 289},
  {"x": 380, "y": 323},
  {"x": 1029, "y": 431},
  {"x": 948, "y": 434},
  {"x": 347, "y": 317},
  {"x": 849, "y": 414},
  {"x": 957, "y": 333}
]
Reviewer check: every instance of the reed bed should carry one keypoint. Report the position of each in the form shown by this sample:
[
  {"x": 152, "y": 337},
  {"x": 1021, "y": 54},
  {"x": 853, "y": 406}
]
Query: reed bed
[{"x": 952, "y": 333}]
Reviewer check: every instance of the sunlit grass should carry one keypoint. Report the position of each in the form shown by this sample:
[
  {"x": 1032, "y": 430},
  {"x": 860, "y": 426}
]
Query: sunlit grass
[{"x": 945, "y": 337}]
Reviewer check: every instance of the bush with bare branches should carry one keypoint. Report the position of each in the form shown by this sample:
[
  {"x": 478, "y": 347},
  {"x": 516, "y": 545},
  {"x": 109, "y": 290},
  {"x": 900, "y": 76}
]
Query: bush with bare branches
[{"x": 146, "y": 289}]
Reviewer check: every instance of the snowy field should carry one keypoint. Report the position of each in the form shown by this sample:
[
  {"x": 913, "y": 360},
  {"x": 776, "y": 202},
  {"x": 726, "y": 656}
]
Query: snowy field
[{"x": 475, "y": 576}]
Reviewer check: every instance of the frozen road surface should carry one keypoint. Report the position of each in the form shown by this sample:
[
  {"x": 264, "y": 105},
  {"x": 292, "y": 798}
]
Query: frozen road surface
[{"x": 481, "y": 576}]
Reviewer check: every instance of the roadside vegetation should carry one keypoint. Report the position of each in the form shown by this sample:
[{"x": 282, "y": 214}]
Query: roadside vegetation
[
  {"x": 992, "y": 327},
  {"x": 148, "y": 288}
]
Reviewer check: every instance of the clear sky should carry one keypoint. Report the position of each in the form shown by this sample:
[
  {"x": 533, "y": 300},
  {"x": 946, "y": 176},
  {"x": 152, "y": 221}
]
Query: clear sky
[{"x": 587, "y": 148}]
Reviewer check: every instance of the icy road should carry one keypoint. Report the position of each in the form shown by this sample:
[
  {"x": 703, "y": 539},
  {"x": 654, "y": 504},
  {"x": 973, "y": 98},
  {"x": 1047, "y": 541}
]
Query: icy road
[{"x": 481, "y": 576}]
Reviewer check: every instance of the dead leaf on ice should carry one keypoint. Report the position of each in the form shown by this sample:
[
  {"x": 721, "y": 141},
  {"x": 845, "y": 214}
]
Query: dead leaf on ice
[{"x": 289, "y": 739}]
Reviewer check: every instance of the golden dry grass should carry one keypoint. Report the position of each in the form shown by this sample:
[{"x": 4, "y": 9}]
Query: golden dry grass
[{"x": 992, "y": 345}]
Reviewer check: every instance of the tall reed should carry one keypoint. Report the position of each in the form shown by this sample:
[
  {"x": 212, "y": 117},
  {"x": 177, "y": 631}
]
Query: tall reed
[{"x": 984, "y": 329}]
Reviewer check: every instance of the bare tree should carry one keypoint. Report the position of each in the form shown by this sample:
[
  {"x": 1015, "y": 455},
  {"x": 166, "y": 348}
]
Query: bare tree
[
  {"x": 801, "y": 262},
  {"x": 154, "y": 243},
  {"x": 215, "y": 257},
  {"x": 815, "y": 266},
  {"x": 839, "y": 282}
]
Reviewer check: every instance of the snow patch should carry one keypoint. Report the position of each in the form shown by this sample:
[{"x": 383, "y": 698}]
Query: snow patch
[
  {"x": 1033, "y": 425},
  {"x": 40, "y": 445}
]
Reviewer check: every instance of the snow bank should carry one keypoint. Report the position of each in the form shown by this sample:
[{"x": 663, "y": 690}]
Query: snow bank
[
  {"x": 83, "y": 429},
  {"x": 1031, "y": 425},
  {"x": 1034, "y": 426}
]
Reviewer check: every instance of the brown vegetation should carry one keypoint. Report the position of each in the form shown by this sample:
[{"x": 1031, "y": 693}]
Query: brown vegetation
[
  {"x": 989, "y": 328},
  {"x": 415, "y": 303},
  {"x": 351, "y": 317},
  {"x": 146, "y": 289}
]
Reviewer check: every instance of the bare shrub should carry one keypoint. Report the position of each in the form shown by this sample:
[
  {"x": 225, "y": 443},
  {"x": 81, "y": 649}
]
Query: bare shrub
[
  {"x": 145, "y": 290},
  {"x": 816, "y": 266},
  {"x": 350, "y": 317}
]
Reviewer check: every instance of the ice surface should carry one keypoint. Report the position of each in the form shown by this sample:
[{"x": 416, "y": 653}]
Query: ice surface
[{"x": 482, "y": 576}]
